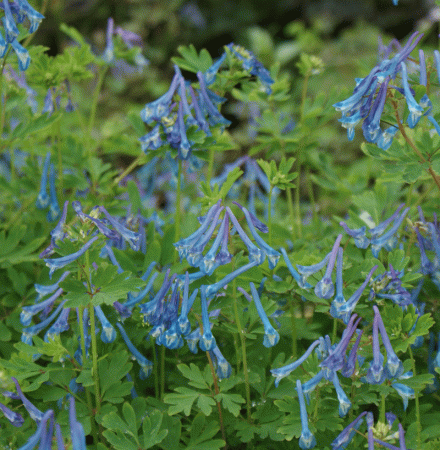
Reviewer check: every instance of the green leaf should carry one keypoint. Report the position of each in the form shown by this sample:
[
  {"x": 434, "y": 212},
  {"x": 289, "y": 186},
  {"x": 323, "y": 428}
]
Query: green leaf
[
  {"x": 196, "y": 377},
  {"x": 152, "y": 432},
  {"x": 182, "y": 401},
  {"x": 192, "y": 61},
  {"x": 130, "y": 418},
  {"x": 119, "y": 441},
  {"x": 114, "y": 370},
  {"x": 231, "y": 402},
  {"x": 201, "y": 435}
]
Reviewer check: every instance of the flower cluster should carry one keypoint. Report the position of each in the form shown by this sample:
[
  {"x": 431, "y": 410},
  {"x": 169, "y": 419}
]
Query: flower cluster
[
  {"x": 369, "y": 96},
  {"x": 174, "y": 118},
  {"x": 378, "y": 238},
  {"x": 253, "y": 178},
  {"x": 193, "y": 246},
  {"x": 50, "y": 200},
  {"x": 17, "y": 12},
  {"x": 47, "y": 428}
]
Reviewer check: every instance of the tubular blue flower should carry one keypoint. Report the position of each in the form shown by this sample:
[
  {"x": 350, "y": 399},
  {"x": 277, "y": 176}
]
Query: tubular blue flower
[
  {"x": 324, "y": 288},
  {"x": 76, "y": 429},
  {"x": 345, "y": 310},
  {"x": 344, "y": 402},
  {"x": 212, "y": 289},
  {"x": 192, "y": 340},
  {"x": 251, "y": 63},
  {"x": 22, "y": 55},
  {"x": 28, "y": 312},
  {"x": 350, "y": 365},
  {"x": 194, "y": 254},
  {"x": 306, "y": 440},
  {"x": 185, "y": 244},
  {"x": 306, "y": 271},
  {"x": 58, "y": 263},
  {"x": 385, "y": 138},
  {"x": 272, "y": 255},
  {"x": 310, "y": 385},
  {"x": 207, "y": 341},
  {"x": 255, "y": 253},
  {"x": 210, "y": 262},
  {"x": 223, "y": 368},
  {"x": 296, "y": 276},
  {"x": 146, "y": 365},
  {"x": 214, "y": 115},
  {"x": 152, "y": 140},
  {"x": 271, "y": 336},
  {"x": 376, "y": 373},
  {"x": 360, "y": 239},
  {"x": 60, "y": 325},
  {"x": 200, "y": 118},
  {"x": 394, "y": 366},
  {"x": 415, "y": 109},
  {"x": 54, "y": 209},
  {"x": 34, "y": 16},
  {"x": 405, "y": 392},
  {"x": 378, "y": 242},
  {"x": 43, "y": 199},
  {"x": 43, "y": 290},
  {"x": 14, "y": 418},
  {"x": 422, "y": 64},
  {"x": 109, "y": 55},
  {"x": 40, "y": 434},
  {"x": 184, "y": 144},
  {"x": 183, "y": 322},
  {"x": 108, "y": 332},
  {"x": 3, "y": 46},
  {"x": 134, "y": 300},
  {"x": 211, "y": 73},
  {"x": 160, "y": 108},
  {"x": 27, "y": 333},
  {"x": 402, "y": 438},
  {"x": 11, "y": 30},
  {"x": 336, "y": 359},
  {"x": 371, "y": 125},
  {"x": 131, "y": 237},
  {"x": 33, "y": 411},
  {"x": 370, "y": 424},
  {"x": 346, "y": 435},
  {"x": 282, "y": 372}
]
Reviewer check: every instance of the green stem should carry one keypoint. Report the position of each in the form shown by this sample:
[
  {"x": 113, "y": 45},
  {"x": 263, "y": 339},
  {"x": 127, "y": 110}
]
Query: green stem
[
  {"x": 382, "y": 408},
  {"x": 335, "y": 330},
  {"x": 297, "y": 194},
  {"x": 177, "y": 217},
  {"x": 304, "y": 96},
  {"x": 312, "y": 199},
  {"x": 156, "y": 374},
  {"x": 269, "y": 222},
  {"x": 291, "y": 213},
  {"x": 418, "y": 421},
  {"x": 243, "y": 351},
  {"x": 162, "y": 372},
  {"x": 217, "y": 391},
  {"x": 93, "y": 336},
  {"x": 293, "y": 330},
  {"x": 95, "y": 358},
  {"x": 137, "y": 162},
  {"x": 210, "y": 164}
]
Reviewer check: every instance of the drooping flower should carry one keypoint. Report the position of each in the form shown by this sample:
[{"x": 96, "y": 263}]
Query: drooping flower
[
  {"x": 43, "y": 199},
  {"x": 346, "y": 435},
  {"x": 306, "y": 440},
  {"x": 361, "y": 106},
  {"x": 14, "y": 418}
]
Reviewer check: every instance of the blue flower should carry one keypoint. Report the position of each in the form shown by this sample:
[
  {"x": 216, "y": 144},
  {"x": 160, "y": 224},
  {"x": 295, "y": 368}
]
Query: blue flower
[
  {"x": 251, "y": 63},
  {"x": 324, "y": 288},
  {"x": 28, "y": 312},
  {"x": 394, "y": 366},
  {"x": 146, "y": 365},
  {"x": 76, "y": 429},
  {"x": 282, "y": 372},
  {"x": 343, "y": 310},
  {"x": 183, "y": 322},
  {"x": 33, "y": 411},
  {"x": 405, "y": 392},
  {"x": 60, "y": 325},
  {"x": 223, "y": 368},
  {"x": 54, "y": 209},
  {"x": 350, "y": 365},
  {"x": 207, "y": 341},
  {"x": 344, "y": 402},
  {"x": 297, "y": 277},
  {"x": 108, "y": 332},
  {"x": 306, "y": 440},
  {"x": 271, "y": 336},
  {"x": 211, "y": 73},
  {"x": 43, "y": 199},
  {"x": 58, "y": 263},
  {"x": 14, "y": 418},
  {"x": 346, "y": 435},
  {"x": 376, "y": 373}
]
